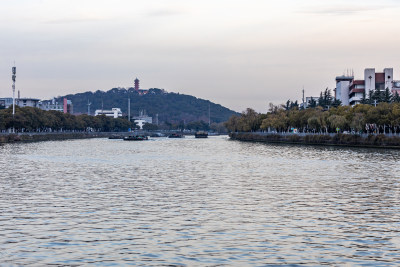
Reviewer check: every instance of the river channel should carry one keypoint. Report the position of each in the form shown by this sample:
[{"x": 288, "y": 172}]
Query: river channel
[{"x": 197, "y": 202}]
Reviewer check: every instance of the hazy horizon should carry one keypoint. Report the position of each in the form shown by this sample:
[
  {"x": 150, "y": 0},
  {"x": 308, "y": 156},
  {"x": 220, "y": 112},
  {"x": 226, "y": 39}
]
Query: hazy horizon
[{"x": 235, "y": 53}]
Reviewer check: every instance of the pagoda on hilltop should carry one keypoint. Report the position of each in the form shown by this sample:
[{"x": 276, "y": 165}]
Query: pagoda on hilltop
[{"x": 137, "y": 88}]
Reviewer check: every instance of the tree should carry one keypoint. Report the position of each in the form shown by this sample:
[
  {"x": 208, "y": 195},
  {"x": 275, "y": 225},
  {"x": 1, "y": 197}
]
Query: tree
[
  {"x": 150, "y": 127},
  {"x": 278, "y": 121},
  {"x": 358, "y": 122},
  {"x": 218, "y": 127},
  {"x": 336, "y": 103},
  {"x": 387, "y": 97},
  {"x": 233, "y": 123},
  {"x": 312, "y": 103},
  {"x": 337, "y": 122},
  {"x": 396, "y": 98},
  {"x": 364, "y": 100}
]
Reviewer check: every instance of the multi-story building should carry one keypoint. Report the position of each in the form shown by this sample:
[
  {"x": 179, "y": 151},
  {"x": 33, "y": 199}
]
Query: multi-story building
[
  {"x": 65, "y": 106},
  {"x": 52, "y": 105},
  {"x": 21, "y": 102},
  {"x": 351, "y": 91}
]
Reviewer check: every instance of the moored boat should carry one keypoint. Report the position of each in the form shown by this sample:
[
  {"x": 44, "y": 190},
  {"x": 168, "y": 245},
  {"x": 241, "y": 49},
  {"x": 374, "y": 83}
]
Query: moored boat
[
  {"x": 115, "y": 136},
  {"x": 135, "y": 138},
  {"x": 201, "y": 134},
  {"x": 176, "y": 135}
]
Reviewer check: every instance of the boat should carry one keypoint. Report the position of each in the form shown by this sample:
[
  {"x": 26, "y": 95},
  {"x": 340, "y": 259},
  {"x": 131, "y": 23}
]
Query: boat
[
  {"x": 157, "y": 135},
  {"x": 201, "y": 134},
  {"x": 135, "y": 138},
  {"x": 115, "y": 136},
  {"x": 176, "y": 135}
]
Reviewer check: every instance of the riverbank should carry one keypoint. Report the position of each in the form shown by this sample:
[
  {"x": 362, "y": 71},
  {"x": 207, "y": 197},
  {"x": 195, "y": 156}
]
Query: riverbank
[
  {"x": 36, "y": 137},
  {"x": 370, "y": 141}
]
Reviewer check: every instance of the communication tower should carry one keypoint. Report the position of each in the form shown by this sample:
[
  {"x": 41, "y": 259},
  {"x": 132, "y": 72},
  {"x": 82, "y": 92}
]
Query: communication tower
[{"x": 14, "y": 72}]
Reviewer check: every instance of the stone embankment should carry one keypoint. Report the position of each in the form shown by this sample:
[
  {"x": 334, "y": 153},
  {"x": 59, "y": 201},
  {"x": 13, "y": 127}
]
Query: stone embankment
[
  {"x": 354, "y": 140},
  {"x": 35, "y": 137}
]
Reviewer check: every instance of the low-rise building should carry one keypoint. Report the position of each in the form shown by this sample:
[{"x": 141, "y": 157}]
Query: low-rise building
[{"x": 114, "y": 112}]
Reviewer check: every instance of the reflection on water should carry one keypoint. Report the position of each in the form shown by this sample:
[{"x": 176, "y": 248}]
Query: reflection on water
[{"x": 197, "y": 202}]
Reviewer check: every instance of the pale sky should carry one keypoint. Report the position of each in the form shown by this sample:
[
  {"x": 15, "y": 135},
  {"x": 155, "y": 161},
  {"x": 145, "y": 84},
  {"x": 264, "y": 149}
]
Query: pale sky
[{"x": 238, "y": 53}]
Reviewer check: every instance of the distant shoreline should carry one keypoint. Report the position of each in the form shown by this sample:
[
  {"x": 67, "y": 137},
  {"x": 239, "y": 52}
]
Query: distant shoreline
[
  {"x": 27, "y": 137},
  {"x": 340, "y": 140},
  {"x": 55, "y": 136}
]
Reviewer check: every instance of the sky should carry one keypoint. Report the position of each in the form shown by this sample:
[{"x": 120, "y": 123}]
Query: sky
[{"x": 237, "y": 53}]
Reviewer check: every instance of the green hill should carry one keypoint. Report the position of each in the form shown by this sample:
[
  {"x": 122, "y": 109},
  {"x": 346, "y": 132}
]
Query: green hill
[{"x": 170, "y": 107}]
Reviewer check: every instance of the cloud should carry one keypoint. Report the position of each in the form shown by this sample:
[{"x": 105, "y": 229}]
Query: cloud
[
  {"x": 343, "y": 10},
  {"x": 73, "y": 20},
  {"x": 164, "y": 12}
]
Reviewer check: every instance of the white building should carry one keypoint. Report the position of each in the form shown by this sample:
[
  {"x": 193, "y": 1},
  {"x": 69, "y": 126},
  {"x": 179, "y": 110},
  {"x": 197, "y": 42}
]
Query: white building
[
  {"x": 140, "y": 123},
  {"x": 142, "y": 119},
  {"x": 351, "y": 91},
  {"x": 114, "y": 112}
]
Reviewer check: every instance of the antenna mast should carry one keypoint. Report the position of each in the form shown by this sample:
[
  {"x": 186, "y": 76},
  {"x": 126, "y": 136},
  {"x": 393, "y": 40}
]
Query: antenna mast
[
  {"x": 14, "y": 72},
  {"x": 88, "y": 107}
]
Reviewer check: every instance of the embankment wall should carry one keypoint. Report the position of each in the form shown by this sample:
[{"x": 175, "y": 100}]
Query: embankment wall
[{"x": 376, "y": 141}]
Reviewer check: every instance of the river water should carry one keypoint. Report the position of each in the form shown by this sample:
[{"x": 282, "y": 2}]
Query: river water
[{"x": 197, "y": 202}]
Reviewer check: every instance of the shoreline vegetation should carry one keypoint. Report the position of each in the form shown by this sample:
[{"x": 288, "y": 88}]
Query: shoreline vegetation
[{"x": 363, "y": 125}]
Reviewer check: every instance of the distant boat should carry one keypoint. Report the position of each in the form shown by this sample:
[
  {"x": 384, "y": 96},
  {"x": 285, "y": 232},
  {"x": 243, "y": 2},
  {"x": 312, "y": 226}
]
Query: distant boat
[
  {"x": 115, "y": 136},
  {"x": 201, "y": 134},
  {"x": 176, "y": 135},
  {"x": 135, "y": 138},
  {"x": 157, "y": 135}
]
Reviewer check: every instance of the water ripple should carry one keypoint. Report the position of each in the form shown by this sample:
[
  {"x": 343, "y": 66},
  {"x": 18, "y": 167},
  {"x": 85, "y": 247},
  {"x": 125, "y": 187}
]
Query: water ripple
[{"x": 197, "y": 202}]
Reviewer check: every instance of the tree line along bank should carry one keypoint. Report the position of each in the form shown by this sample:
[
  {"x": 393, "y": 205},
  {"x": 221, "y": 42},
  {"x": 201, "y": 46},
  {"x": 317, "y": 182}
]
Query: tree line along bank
[
  {"x": 362, "y": 118},
  {"x": 29, "y": 119}
]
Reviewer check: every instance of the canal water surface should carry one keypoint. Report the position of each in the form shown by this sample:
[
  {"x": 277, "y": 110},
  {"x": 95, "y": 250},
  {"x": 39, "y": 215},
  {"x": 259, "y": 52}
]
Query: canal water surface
[{"x": 197, "y": 202}]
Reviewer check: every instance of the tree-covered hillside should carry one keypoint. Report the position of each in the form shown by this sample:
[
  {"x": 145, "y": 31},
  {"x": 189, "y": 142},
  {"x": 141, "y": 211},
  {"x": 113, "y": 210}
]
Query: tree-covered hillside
[{"x": 170, "y": 107}]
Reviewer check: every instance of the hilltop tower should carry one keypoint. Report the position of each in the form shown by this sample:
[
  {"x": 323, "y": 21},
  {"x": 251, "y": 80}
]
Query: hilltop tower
[{"x": 137, "y": 84}]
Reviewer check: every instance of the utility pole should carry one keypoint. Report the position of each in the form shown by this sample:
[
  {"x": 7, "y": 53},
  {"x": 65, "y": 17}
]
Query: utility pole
[
  {"x": 129, "y": 109},
  {"x": 303, "y": 98},
  {"x": 209, "y": 116}
]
